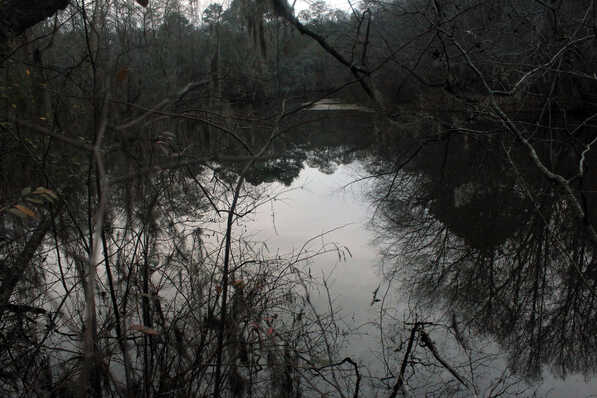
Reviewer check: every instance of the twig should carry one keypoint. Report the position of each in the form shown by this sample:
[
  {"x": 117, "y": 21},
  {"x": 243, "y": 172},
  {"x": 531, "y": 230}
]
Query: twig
[
  {"x": 226, "y": 266},
  {"x": 357, "y": 71},
  {"x": 356, "y": 370},
  {"x": 400, "y": 382},
  {"x": 60, "y": 137},
  {"x": 509, "y": 124},
  {"x": 431, "y": 346}
]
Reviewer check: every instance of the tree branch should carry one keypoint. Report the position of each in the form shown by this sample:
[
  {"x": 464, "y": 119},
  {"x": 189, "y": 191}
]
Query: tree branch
[{"x": 18, "y": 15}]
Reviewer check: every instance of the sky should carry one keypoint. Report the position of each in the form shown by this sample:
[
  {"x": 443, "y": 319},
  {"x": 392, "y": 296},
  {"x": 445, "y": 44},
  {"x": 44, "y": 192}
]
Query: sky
[
  {"x": 341, "y": 4},
  {"x": 299, "y": 5}
]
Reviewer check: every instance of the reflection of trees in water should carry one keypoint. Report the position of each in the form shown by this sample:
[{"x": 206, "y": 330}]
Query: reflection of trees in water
[
  {"x": 322, "y": 140},
  {"x": 160, "y": 295},
  {"x": 498, "y": 245}
]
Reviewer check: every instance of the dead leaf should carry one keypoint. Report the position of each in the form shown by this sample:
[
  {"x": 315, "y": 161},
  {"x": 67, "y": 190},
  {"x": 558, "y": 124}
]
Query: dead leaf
[
  {"x": 239, "y": 284},
  {"x": 145, "y": 330},
  {"x": 25, "y": 210},
  {"x": 45, "y": 191},
  {"x": 36, "y": 201}
]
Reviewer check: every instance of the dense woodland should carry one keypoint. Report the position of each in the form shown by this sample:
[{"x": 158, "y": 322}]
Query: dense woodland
[{"x": 134, "y": 136}]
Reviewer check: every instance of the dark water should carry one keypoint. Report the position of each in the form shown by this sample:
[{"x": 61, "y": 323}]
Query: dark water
[
  {"x": 409, "y": 224},
  {"x": 456, "y": 232}
]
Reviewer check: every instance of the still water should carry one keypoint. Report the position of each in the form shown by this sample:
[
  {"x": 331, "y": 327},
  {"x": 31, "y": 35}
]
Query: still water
[
  {"x": 327, "y": 208},
  {"x": 449, "y": 240},
  {"x": 334, "y": 209}
]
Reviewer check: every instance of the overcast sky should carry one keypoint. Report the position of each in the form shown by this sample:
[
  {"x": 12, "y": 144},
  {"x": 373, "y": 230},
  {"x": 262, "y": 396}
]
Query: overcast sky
[
  {"x": 299, "y": 5},
  {"x": 341, "y": 4}
]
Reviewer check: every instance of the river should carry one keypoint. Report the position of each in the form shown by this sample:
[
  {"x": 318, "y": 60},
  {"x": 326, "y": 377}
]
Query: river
[
  {"x": 400, "y": 250},
  {"x": 336, "y": 207}
]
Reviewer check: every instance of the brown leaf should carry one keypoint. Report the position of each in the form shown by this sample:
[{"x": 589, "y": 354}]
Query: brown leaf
[
  {"x": 25, "y": 210},
  {"x": 146, "y": 330},
  {"x": 46, "y": 193},
  {"x": 239, "y": 284}
]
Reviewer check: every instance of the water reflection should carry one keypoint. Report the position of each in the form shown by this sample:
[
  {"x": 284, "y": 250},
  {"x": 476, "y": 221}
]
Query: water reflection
[
  {"x": 484, "y": 243},
  {"x": 318, "y": 206},
  {"x": 474, "y": 232},
  {"x": 316, "y": 203},
  {"x": 480, "y": 254}
]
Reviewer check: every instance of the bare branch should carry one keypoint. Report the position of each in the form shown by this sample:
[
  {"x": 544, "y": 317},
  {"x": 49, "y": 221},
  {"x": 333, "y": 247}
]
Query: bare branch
[
  {"x": 60, "y": 137},
  {"x": 400, "y": 381}
]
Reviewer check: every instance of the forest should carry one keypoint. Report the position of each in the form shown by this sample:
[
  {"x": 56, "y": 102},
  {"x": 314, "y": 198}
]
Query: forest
[{"x": 137, "y": 136}]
